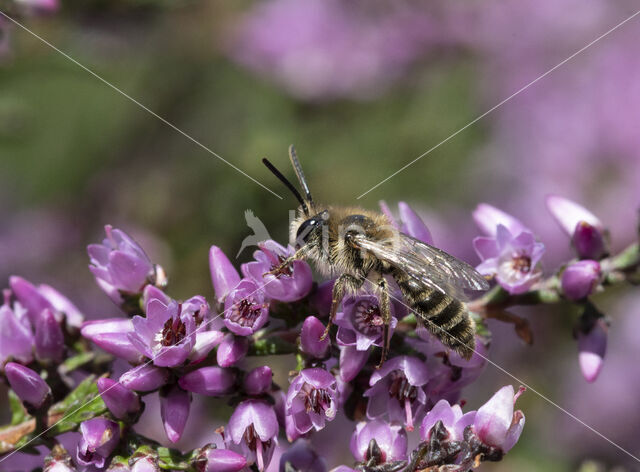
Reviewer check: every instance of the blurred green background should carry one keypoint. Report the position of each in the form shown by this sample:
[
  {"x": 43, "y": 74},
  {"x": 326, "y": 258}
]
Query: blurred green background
[{"x": 243, "y": 79}]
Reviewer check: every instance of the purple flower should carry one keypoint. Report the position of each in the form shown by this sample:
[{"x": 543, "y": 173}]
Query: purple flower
[
  {"x": 165, "y": 335},
  {"x": 258, "y": 380},
  {"x": 222, "y": 460},
  {"x": 452, "y": 419},
  {"x": 29, "y": 297},
  {"x": 122, "y": 402},
  {"x": 512, "y": 259},
  {"x": 291, "y": 283},
  {"x": 145, "y": 464},
  {"x": 592, "y": 347},
  {"x": 100, "y": 437},
  {"x": 495, "y": 422},
  {"x": 112, "y": 335},
  {"x": 27, "y": 384},
  {"x": 120, "y": 265},
  {"x": 391, "y": 439},
  {"x": 397, "y": 390},
  {"x": 211, "y": 381},
  {"x": 16, "y": 339},
  {"x": 310, "y": 334},
  {"x": 144, "y": 378},
  {"x": 351, "y": 362},
  {"x": 312, "y": 399},
  {"x": 488, "y": 218},
  {"x": 360, "y": 323},
  {"x": 223, "y": 275},
  {"x": 301, "y": 458},
  {"x": 583, "y": 227},
  {"x": 62, "y": 304},
  {"x": 253, "y": 429},
  {"x": 49, "y": 338},
  {"x": 174, "y": 409},
  {"x": 410, "y": 222},
  {"x": 579, "y": 279},
  {"x": 232, "y": 350},
  {"x": 245, "y": 308}
]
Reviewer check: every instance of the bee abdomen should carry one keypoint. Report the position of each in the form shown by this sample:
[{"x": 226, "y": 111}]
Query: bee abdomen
[{"x": 445, "y": 317}]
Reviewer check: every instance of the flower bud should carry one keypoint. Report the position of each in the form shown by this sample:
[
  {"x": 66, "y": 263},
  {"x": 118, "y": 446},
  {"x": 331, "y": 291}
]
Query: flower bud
[
  {"x": 100, "y": 437},
  {"x": 579, "y": 279},
  {"x": 221, "y": 460},
  {"x": 29, "y": 297},
  {"x": 112, "y": 335},
  {"x": 223, "y": 275},
  {"x": 592, "y": 347},
  {"x": 49, "y": 338},
  {"x": 310, "y": 342},
  {"x": 231, "y": 350},
  {"x": 27, "y": 384},
  {"x": 144, "y": 378},
  {"x": 413, "y": 225},
  {"x": 174, "y": 409},
  {"x": 210, "y": 381},
  {"x": 588, "y": 241},
  {"x": 122, "y": 402},
  {"x": 258, "y": 381},
  {"x": 16, "y": 339}
]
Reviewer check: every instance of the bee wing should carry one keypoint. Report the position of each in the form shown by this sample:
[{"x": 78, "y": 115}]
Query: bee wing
[{"x": 428, "y": 265}]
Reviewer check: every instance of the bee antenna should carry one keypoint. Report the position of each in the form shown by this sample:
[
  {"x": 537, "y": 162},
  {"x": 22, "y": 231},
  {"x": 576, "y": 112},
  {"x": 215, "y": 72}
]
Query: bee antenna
[
  {"x": 298, "y": 169},
  {"x": 287, "y": 183}
]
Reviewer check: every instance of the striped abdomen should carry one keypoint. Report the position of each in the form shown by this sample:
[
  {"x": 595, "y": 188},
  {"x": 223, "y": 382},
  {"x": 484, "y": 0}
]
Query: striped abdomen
[{"x": 444, "y": 316}]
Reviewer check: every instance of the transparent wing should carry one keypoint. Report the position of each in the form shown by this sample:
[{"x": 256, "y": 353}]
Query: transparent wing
[{"x": 428, "y": 265}]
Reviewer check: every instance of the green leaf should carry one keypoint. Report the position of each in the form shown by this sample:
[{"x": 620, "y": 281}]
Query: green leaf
[
  {"x": 75, "y": 362},
  {"x": 82, "y": 404},
  {"x": 171, "y": 459},
  {"x": 18, "y": 412}
]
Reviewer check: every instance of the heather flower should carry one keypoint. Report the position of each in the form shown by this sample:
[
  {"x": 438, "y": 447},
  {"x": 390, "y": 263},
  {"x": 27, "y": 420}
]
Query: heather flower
[
  {"x": 58, "y": 460},
  {"x": 312, "y": 399},
  {"x": 29, "y": 297},
  {"x": 488, "y": 218},
  {"x": 291, "y": 283},
  {"x": 391, "y": 439},
  {"x": 212, "y": 381},
  {"x": 49, "y": 338},
  {"x": 583, "y": 227},
  {"x": 245, "y": 308},
  {"x": 452, "y": 419},
  {"x": 221, "y": 460},
  {"x": 258, "y": 380},
  {"x": 360, "y": 323},
  {"x": 579, "y": 279},
  {"x": 145, "y": 464},
  {"x": 61, "y": 304},
  {"x": 112, "y": 335},
  {"x": 174, "y": 409},
  {"x": 253, "y": 429},
  {"x": 165, "y": 335},
  {"x": 144, "y": 378},
  {"x": 496, "y": 424},
  {"x": 592, "y": 347},
  {"x": 351, "y": 362},
  {"x": 223, "y": 275},
  {"x": 300, "y": 457},
  {"x": 310, "y": 334},
  {"x": 122, "y": 402},
  {"x": 100, "y": 437},
  {"x": 27, "y": 384},
  {"x": 121, "y": 267},
  {"x": 512, "y": 259},
  {"x": 232, "y": 350},
  {"x": 410, "y": 222},
  {"x": 16, "y": 339},
  {"x": 397, "y": 390}
]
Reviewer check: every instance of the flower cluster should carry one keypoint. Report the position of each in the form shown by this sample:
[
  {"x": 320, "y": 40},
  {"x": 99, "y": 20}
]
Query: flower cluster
[{"x": 179, "y": 349}]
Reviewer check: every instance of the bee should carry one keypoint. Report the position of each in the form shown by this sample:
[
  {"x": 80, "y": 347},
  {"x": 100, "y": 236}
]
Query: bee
[{"x": 359, "y": 245}]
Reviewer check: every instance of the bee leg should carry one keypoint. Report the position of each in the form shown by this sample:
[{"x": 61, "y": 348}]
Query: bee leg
[
  {"x": 385, "y": 312},
  {"x": 343, "y": 283},
  {"x": 299, "y": 254}
]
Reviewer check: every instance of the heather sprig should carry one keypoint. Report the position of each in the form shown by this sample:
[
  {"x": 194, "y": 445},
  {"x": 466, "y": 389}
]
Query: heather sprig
[{"x": 63, "y": 373}]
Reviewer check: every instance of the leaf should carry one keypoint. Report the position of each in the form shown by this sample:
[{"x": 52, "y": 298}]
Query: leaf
[
  {"x": 75, "y": 362},
  {"x": 18, "y": 412},
  {"x": 82, "y": 404},
  {"x": 171, "y": 459}
]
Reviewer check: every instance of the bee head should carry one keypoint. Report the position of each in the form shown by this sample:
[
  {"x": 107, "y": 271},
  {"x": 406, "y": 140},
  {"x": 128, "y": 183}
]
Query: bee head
[{"x": 311, "y": 228}]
